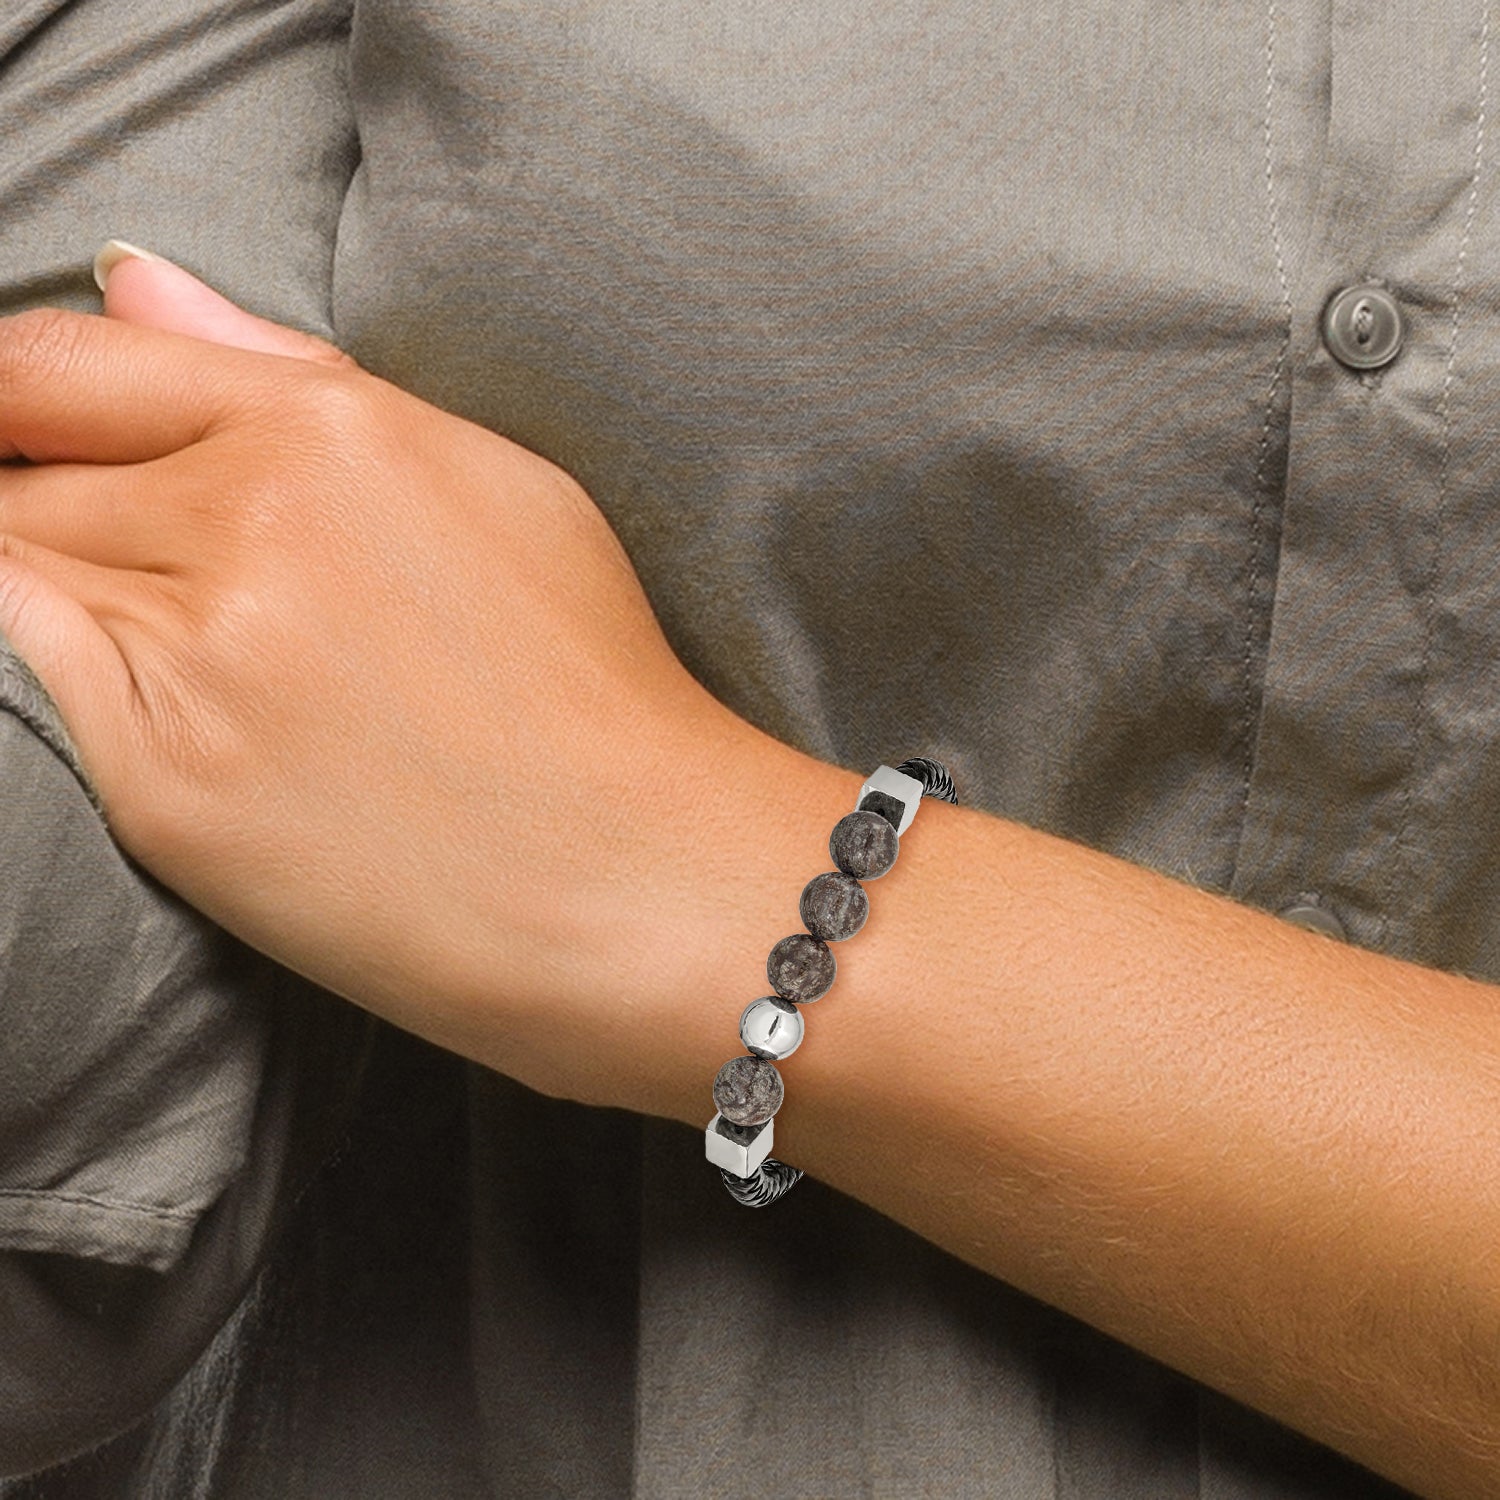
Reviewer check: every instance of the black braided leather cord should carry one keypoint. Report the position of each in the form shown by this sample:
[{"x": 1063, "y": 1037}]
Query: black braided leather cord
[
  {"x": 772, "y": 1178},
  {"x": 764, "y": 1185},
  {"x": 936, "y": 782}
]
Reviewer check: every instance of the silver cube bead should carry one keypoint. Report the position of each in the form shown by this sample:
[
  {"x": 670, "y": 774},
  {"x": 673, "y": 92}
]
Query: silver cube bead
[
  {"x": 739, "y": 1149},
  {"x": 771, "y": 1027},
  {"x": 899, "y": 787}
]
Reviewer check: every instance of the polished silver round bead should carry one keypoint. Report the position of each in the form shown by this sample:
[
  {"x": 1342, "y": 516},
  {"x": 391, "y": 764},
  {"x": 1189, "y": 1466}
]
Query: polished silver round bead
[{"x": 771, "y": 1027}]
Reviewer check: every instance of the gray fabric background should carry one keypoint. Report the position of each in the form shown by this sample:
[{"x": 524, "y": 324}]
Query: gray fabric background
[{"x": 951, "y": 374}]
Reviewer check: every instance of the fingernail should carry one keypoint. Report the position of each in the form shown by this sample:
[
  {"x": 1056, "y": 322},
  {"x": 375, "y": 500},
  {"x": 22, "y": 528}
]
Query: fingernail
[{"x": 112, "y": 253}]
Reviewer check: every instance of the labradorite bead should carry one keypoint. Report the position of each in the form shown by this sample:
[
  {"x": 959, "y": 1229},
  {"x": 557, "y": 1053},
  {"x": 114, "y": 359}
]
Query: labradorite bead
[
  {"x": 864, "y": 845},
  {"x": 801, "y": 968},
  {"x": 748, "y": 1090},
  {"x": 834, "y": 906}
]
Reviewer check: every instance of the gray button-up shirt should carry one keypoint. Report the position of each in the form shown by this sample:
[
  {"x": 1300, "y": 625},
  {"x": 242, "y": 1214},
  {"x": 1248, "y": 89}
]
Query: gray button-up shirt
[{"x": 955, "y": 376}]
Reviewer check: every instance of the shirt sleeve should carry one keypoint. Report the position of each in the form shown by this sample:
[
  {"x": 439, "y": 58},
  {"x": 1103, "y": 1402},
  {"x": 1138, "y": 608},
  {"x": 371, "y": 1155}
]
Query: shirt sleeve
[
  {"x": 163, "y": 1090},
  {"x": 130, "y": 1050}
]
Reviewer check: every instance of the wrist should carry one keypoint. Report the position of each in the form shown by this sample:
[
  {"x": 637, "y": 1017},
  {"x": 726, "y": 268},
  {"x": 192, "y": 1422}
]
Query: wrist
[
  {"x": 682, "y": 861},
  {"x": 723, "y": 890}
]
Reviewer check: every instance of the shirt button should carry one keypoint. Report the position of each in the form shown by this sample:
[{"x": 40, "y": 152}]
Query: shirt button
[
  {"x": 1363, "y": 327},
  {"x": 1314, "y": 919}
]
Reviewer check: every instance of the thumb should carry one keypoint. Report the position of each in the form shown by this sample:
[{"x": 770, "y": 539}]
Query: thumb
[{"x": 140, "y": 287}]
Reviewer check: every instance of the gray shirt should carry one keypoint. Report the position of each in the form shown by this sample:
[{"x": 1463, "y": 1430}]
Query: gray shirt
[{"x": 953, "y": 375}]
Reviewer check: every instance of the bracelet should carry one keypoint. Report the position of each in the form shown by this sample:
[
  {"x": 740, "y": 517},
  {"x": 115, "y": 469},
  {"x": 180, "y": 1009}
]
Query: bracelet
[{"x": 748, "y": 1090}]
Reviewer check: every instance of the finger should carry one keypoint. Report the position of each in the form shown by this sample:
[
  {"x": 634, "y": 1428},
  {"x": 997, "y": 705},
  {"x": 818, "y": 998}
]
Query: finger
[
  {"x": 45, "y": 615},
  {"x": 98, "y": 590},
  {"x": 88, "y": 388},
  {"x": 142, "y": 288},
  {"x": 100, "y": 514}
]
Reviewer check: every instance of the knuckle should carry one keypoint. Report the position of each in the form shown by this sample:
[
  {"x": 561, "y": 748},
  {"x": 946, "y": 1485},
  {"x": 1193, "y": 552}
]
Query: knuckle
[
  {"x": 333, "y": 401},
  {"x": 18, "y": 586},
  {"x": 331, "y": 424},
  {"x": 342, "y": 436},
  {"x": 13, "y": 549}
]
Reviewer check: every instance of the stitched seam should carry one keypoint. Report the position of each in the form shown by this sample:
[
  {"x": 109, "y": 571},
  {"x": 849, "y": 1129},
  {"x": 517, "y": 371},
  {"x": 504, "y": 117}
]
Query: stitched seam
[
  {"x": 1265, "y": 430},
  {"x": 82, "y": 1200},
  {"x": 1402, "y": 861}
]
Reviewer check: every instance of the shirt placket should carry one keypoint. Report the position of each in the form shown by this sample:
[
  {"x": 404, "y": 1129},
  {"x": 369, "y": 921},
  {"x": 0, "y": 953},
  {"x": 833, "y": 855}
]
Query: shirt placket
[{"x": 1339, "y": 818}]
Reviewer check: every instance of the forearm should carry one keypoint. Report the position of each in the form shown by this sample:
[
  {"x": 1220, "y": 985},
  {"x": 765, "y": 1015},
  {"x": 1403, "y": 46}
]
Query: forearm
[{"x": 1267, "y": 1158}]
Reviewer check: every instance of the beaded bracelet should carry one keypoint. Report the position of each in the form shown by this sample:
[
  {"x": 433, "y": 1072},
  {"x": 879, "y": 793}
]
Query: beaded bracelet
[{"x": 748, "y": 1090}]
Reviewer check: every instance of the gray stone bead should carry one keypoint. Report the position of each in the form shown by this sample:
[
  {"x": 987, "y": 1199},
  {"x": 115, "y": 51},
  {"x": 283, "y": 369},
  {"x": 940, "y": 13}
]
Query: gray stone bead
[
  {"x": 771, "y": 1027},
  {"x": 748, "y": 1090},
  {"x": 834, "y": 906},
  {"x": 801, "y": 968},
  {"x": 864, "y": 844}
]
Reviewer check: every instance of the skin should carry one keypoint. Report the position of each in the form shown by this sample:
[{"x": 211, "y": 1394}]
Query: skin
[{"x": 380, "y": 692}]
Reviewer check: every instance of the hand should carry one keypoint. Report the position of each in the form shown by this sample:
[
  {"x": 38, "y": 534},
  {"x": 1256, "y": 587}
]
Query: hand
[{"x": 373, "y": 687}]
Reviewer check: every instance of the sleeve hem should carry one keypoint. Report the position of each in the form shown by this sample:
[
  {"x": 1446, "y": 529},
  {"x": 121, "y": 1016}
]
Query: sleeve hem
[{"x": 63, "y": 1223}]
